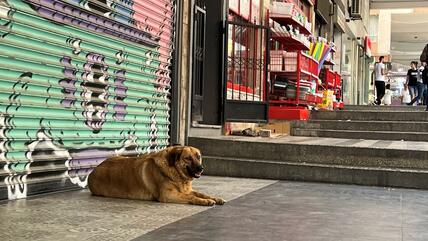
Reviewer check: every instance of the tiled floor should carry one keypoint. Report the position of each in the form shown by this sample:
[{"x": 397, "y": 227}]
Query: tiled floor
[
  {"x": 308, "y": 212},
  {"x": 259, "y": 210},
  {"x": 80, "y": 216}
]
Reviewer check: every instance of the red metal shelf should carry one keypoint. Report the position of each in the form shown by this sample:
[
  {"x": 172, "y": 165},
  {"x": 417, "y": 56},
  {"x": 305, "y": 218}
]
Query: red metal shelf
[
  {"x": 329, "y": 62},
  {"x": 282, "y": 102},
  {"x": 285, "y": 19},
  {"x": 309, "y": 99},
  {"x": 294, "y": 73},
  {"x": 290, "y": 42},
  {"x": 288, "y": 113},
  {"x": 306, "y": 67},
  {"x": 338, "y": 105}
]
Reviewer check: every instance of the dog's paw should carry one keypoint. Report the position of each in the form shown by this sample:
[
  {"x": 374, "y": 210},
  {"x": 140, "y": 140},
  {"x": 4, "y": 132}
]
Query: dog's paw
[
  {"x": 209, "y": 202},
  {"x": 219, "y": 201}
]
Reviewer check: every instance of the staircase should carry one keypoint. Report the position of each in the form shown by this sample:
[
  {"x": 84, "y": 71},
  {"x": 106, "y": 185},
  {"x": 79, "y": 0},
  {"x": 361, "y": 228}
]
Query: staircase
[
  {"x": 372, "y": 145},
  {"x": 367, "y": 122},
  {"x": 347, "y": 161}
]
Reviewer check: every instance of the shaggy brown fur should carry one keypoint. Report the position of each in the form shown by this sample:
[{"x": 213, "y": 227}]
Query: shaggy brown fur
[{"x": 164, "y": 176}]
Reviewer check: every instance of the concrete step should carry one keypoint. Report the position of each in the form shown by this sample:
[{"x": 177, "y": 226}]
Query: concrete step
[
  {"x": 326, "y": 151},
  {"x": 204, "y": 130},
  {"x": 373, "y": 176},
  {"x": 370, "y": 115},
  {"x": 363, "y": 162},
  {"x": 359, "y": 134},
  {"x": 385, "y": 108},
  {"x": 399, "y": 126}
]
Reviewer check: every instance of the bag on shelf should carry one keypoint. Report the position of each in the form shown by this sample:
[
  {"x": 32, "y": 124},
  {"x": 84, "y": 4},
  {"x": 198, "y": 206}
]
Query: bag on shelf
[{"x": 327, "y": 100}]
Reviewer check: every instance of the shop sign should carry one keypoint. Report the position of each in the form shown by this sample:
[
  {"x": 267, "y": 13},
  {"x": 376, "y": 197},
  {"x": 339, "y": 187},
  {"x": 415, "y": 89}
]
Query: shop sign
[{"x": 368, "y": 46}]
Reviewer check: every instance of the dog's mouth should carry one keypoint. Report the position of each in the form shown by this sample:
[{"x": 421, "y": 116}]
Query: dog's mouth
[{"x": 195, "y": 174}]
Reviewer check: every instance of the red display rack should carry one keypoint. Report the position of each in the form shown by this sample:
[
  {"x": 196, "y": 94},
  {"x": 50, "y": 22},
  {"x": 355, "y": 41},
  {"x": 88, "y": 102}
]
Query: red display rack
[
  {"x": 287, "y": 16},
  {"x": 290, "y": 41},
  {"x": 328, "y": 78},
  {"x": 298, "y": 68},
  {"x": 288, "y": 113},
  {"x": 333, "y": 81},
  {"x": 286, "y": 19},
  {"x": 338, "y": 91},
  {"x": 293, "y": 74}
]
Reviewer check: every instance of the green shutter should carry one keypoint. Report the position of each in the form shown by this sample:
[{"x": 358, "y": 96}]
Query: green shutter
[{"x": 80, "y": 80}]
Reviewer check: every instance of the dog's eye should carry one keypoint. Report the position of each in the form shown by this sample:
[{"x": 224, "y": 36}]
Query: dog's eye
[{"x": 189, "y": 158}]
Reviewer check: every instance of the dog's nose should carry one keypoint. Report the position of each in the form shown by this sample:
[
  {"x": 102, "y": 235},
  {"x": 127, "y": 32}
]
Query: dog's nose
[{"x": 199, "y": 168}]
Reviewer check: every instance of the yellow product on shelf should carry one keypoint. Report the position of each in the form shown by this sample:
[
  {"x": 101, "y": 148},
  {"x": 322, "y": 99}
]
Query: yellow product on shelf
[
  {"x": 316, "y": 49},
  {"x": 311, "y": 48},
  {"x": 327, "y": 100}
]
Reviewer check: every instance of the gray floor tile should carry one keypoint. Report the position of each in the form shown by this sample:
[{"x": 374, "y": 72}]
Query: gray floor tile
[{"x": 302, "y": 211}]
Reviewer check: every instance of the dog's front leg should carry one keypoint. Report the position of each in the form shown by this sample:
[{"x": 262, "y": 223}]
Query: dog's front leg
[
  {"x": 218, "y": 201},
  {"x": 177, "y": 197}
]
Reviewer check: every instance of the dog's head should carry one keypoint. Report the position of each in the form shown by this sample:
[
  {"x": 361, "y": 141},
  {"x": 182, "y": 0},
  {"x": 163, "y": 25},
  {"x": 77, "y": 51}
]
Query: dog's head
[{"x": 187, "y": 160}]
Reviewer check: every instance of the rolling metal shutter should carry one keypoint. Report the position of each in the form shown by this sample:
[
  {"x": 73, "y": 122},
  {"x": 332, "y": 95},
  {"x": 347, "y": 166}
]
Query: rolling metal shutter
[{"x": 80, "y": 80}]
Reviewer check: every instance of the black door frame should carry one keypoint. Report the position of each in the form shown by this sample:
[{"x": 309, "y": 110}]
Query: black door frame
[
  {"x": 239, "y": 110},
  {"x": 198, "y": 59},
  {"x": 176, "y": 75}
]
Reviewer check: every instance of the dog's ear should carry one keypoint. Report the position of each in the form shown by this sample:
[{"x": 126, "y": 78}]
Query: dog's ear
[{"x": 174, "y": 155}]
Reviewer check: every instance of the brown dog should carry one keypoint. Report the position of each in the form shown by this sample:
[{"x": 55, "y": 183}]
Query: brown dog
[{"x": 165, "y": 176}]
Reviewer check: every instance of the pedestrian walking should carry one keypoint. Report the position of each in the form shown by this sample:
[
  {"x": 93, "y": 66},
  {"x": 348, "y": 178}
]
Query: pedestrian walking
[
  {"x": 424, "y": 59},
  {"x": 379, "y": 77},
  {"x": 418, "y": 87},
  {"x": 425, "y": 81},
  {"x": 412, "y": 79}
]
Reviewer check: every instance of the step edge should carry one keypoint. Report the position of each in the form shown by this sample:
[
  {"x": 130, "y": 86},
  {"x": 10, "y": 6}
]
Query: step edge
[
  {"x": 306, "y": 145},
  {"x": 407, "y": 170},
  {"x": 362, "y": 131}
]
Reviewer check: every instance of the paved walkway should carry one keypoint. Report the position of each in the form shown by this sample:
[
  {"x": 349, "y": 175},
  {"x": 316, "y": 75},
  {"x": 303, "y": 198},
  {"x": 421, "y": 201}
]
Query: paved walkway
[
  {"x": 261, "y": 210},
  {"x": 291, "y": 211},
  {"x": 80, "y": 216}
]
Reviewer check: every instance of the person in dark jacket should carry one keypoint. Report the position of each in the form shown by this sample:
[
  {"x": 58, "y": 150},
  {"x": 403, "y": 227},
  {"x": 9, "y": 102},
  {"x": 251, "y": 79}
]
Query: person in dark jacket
[
  {"x": 424, "y": 59},
  {"x": 425, "y": 81},
  {"x": 412, "y": 81}
]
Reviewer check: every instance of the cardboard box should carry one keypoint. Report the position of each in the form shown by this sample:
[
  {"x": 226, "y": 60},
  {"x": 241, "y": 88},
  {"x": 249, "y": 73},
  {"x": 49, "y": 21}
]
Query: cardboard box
[{"x": 278, "y": 128}]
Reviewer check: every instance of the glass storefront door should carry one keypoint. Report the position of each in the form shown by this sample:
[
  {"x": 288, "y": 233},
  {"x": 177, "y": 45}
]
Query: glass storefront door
[{"x": 348, "y": 67}]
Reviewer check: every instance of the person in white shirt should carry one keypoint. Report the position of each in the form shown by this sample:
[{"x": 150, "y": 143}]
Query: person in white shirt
[{"x": 379, "y": 77}]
